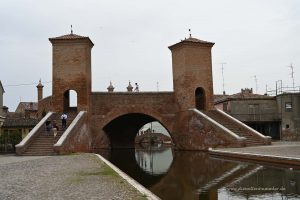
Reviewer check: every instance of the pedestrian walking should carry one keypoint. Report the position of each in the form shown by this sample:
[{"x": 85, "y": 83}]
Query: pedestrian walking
[
  {"x": 63, "y": 118},
  {"x": 49, "y": 126}
]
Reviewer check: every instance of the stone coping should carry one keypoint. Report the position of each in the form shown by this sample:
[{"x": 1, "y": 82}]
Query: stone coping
[
  {"x": 131, "y": 181},
  {"x": 133, "y": 93},
  {"x": 217, "y": 124}
]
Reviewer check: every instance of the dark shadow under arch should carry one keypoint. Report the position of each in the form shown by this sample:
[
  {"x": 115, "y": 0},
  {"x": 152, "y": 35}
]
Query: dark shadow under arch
[
  {"x": 200, "y": 98},
  {"x": 122, "y": 130}
]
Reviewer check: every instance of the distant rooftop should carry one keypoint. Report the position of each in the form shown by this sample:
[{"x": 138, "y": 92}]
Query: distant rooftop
[
  {"x": 14, "y": 121},
  {"x": 27, "y": 106},
  {"x": 245, "y": 94}
]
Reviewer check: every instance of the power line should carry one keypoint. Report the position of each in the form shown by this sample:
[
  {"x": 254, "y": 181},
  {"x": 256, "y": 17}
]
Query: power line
[{"x": 24, "y": 84}]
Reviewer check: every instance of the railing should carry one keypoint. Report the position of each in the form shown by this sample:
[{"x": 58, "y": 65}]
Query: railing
[{"x": 280, "y": 90}]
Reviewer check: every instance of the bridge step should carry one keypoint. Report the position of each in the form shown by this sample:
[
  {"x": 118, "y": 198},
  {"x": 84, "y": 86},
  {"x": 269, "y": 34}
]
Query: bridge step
[
  {"x": 251, "y": 140},
  {"x": 43, "y": 144}
]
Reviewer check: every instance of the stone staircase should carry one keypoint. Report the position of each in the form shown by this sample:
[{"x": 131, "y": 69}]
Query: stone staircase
[
  {"x": 251, "y": 139},
  {"x": 43, "y": 143}
]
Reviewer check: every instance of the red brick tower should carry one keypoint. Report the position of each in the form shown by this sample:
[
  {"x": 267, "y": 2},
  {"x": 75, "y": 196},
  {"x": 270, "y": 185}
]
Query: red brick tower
[
  {"x": 192, "y": 73},
  {"x": 71, "y": 71}
]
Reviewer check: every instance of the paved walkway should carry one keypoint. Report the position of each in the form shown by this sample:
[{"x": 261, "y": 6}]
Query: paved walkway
[
  {"x": 285, "y": 153},
  {"x": 284, "y": 149},
  {"x": 79, "y": 176}
]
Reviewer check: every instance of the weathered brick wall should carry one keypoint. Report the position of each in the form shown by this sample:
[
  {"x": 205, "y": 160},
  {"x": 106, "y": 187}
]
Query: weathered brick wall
[
  {"x": 79, "y": 139},
  {"x": 192, "y": 68},
  {"x": 106, "y": 107},
  {"x": 44, "y": 104},
  {"x": 194, "y": 132},
  {"x": 290, "y": 135},
  {"x": 71, "y": 71}
]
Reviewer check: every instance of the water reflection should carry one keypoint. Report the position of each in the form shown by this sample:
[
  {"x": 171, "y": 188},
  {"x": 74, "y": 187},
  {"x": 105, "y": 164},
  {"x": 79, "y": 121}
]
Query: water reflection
[
  {"x": 154, "y": 160},
  {"x": 195, "y": 175}
]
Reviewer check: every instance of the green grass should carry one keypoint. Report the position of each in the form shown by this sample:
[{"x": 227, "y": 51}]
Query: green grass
[{"x": 106, "y": 170}]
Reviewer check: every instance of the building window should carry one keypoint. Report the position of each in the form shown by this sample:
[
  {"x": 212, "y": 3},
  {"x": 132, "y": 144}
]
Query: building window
[
  {"x": 288, "y": 106},
  {"x": 287, "y": 126}
]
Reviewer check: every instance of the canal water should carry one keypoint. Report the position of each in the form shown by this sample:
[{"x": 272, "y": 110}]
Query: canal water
[{"x": 195, "y": 175}]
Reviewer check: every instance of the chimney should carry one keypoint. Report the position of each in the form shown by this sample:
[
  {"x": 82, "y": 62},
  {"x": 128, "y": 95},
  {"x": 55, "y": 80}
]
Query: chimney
[{"x": 40, "y": 90}]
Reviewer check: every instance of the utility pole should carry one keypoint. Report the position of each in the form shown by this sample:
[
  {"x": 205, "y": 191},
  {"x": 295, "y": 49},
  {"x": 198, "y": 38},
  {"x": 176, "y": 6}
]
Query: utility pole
[
  {"x": 292, "y": 75},
  {"x": 256, "y": 85},
  {"x": 223, "y": 63}
]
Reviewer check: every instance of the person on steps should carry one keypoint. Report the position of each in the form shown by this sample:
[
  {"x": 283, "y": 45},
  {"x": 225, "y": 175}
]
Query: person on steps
[
  {"x": 49, "y": 126},
  {"x": 55, "y": 128},
  {"x": 63, "y": 118}
]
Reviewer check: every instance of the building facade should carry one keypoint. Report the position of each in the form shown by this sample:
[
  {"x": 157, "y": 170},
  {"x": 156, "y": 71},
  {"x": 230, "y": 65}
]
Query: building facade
[
  {"x": 288, "y": 105},
  {"x": 274, "y": 116}
]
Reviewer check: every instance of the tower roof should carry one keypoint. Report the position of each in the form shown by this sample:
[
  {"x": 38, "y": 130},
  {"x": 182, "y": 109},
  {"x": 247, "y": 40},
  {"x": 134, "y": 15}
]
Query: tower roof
[
  {"x": 191, "y": 41},
  {"x": 70, "y": 36}
]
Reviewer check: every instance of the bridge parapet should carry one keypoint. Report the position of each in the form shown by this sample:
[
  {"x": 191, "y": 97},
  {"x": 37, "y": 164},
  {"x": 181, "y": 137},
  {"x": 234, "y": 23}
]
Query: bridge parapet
[{"x": 76, "y": 138}]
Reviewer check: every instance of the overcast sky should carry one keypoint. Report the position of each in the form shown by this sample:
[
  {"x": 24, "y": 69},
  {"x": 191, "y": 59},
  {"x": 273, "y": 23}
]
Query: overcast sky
[{"x": 255, "y": 38}]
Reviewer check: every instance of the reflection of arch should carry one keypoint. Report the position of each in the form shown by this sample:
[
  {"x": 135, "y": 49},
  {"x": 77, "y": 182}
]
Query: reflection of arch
[
  {"x": 154, "y": 161},
  {"x": 70, "y": 100},
  {"x": 122, "y": 126},
  {"x": 200, "y": 98},
  {"x": 119, "y": 158}
]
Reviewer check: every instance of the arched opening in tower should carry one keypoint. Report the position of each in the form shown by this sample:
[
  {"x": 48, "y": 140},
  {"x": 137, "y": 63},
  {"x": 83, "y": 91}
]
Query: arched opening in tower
[
  {"x": 200, "y": 98},
  {"x": 130, "y": 130},
  {"x": 70, "y": 100}
]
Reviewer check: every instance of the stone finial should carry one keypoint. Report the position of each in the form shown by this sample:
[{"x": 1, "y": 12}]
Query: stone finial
[
  {"x": 110, "y": 88},
  {"x": 129, "y": 87},
  {"x": 40, "y": 90},
  {"x": 40, "y": 85}
]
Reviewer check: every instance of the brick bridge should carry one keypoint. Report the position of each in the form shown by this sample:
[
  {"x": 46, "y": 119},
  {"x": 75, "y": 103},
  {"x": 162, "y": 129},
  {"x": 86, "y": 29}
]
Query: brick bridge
[{"x": 112, "y": 119}]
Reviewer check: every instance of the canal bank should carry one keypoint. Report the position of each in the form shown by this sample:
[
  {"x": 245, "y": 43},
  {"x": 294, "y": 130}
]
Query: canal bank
[
  {"x": 180, "y": 175},
  {"x": 76, "y": 176},
  {"x": 285, "y": 154}
]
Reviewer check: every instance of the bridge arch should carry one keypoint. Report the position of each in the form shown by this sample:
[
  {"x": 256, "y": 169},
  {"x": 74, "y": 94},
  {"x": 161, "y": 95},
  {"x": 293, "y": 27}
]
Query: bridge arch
[{"x": 123, "y": 123}]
